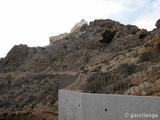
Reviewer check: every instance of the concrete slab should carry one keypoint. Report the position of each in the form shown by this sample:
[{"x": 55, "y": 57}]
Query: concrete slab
[
  {"x": 70, "y": 105},
  {"x": 88, "y": 106}
]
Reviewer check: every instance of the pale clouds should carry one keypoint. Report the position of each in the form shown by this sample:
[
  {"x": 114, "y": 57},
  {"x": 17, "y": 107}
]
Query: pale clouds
[
  {"x": 149, "y": 17},
  {"x": 143, "y": 13}
]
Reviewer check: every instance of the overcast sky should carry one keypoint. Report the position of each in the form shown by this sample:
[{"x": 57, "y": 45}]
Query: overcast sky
[{"x": 32, "y": 22}]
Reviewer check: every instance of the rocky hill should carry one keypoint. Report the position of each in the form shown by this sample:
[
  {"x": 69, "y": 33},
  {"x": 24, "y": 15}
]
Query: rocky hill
[{"x": 100, "y": 50}]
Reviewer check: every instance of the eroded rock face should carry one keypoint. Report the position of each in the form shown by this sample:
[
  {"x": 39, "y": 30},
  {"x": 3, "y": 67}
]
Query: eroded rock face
[
  {"x": 100, "y": 50},
  {"x": 55, "y": 38},
  {"x": 158, "y": 24},
  {"x": 16, "y": 57},
  {"x": 78, "y": 26},
  {"x": 107, "y": 37},
  {"x": 142, "y": 33}
]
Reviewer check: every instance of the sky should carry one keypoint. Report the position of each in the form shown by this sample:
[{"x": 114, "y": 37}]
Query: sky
[{"x": 32, "y": 22}]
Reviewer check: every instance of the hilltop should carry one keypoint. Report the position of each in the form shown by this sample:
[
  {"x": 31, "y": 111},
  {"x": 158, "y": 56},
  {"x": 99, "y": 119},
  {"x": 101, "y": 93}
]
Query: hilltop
[{"x": 103, "y": 49}]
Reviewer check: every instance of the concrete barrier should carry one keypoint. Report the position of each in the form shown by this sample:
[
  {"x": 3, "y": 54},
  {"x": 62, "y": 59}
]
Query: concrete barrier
[{"x": 88, "y": 106}]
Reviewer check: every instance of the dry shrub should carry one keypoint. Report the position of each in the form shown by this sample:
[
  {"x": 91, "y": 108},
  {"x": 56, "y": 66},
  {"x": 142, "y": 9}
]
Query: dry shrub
[
  {"x": 150, "y": 55},
  {"x": 127, "y": 69}
]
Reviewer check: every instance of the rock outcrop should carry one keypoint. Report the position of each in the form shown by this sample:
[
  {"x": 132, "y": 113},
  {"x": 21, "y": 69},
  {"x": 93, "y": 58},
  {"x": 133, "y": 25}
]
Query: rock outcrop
[
  {"x": 78, "y": 26},
  {"x": 55, "y": 38},
  {"x": 158, "y": 24}
]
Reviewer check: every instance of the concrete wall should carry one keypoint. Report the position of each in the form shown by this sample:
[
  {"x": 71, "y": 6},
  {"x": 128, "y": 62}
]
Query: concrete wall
[
  {"x": 70, "y": 105},
  {"x": 86, "y": 106}
]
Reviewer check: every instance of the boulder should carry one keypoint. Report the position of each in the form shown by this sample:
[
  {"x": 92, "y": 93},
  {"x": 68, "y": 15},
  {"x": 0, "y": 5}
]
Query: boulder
[
  {"x": 158, "y": 24},
  {"x": 132, "y": 29}
]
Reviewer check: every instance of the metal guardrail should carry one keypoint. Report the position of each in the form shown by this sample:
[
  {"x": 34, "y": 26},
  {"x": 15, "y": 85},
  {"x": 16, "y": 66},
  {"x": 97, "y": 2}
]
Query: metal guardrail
[{"x": 146, "y": 83}]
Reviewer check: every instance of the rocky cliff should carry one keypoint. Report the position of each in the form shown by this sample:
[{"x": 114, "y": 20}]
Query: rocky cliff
[{"x": 31, "y": 77}]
